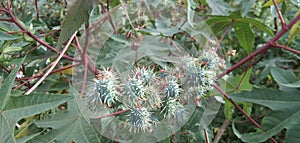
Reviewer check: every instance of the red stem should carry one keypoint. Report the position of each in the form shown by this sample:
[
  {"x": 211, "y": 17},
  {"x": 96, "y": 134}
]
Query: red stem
[
  {"x": 286, "y": 48},
  {"x": 54, "y": 71},
  {"x": 206, "y": 136},
  {"x": 279, "y": 14},
  {"x": 262, "y": 49},
  {"x": 37, "y": 9},
  {"x": 15, "y": 21},
  {"x": 112, "y": 114},
  {"x": 240, "y": 109},
  {"x": 226, "y": 31}
]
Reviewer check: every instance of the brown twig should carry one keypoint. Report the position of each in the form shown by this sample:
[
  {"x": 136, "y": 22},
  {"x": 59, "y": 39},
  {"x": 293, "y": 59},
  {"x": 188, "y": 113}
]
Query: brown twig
[
  {"x": 221, "y": 131},
  {"x": 36, "y": 9}
]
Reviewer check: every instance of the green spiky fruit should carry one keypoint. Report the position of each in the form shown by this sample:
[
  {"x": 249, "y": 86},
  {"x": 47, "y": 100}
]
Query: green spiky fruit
[
  {"x": 173, "y": 109},
  {"x": 105, "y": 89},
  {"x": 172, "y": 89},
  {"x": 134, "y": 90},
  {"x": 140, "y": 119},
  {"x": 146, "y": 75}
]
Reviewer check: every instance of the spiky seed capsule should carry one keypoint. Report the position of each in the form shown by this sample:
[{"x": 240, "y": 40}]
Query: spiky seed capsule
[
  {"x": 211, "y": 60},
  {"x": 173, "y": 109},
  {"x": 172, "y": 89},
  {"x": 105, "y": 90},
  {"x": 135, "y": 89},
  {"x": 140, "y": 119},
  {"x": 152, "y": 98},
  {"x": 146, "y": 75}
]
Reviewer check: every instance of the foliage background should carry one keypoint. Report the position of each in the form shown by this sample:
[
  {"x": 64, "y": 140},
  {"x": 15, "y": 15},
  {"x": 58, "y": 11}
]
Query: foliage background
[{"x": 262, "y": 76}]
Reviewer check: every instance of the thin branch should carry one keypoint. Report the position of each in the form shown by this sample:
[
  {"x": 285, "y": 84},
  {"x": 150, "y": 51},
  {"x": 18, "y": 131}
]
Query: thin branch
[
  {"x": 52, "y": 65},
  {"x": 15, "y": 21},
  {"x": 112, "y": 114},
  {"x": 91, "y": 63},
  {"x": 206, "y": 136},
  {"x": 221, "y": 131},
  {"x": 4, "y": 68},
  {"x": 283, "y": 24},
  {"x": 6, "y": 19},
  {"x": 240, "y": 109},
  {"x": 224, "y": 34},
  {"x": 36, "y": 9},
  {"x": 40, "y": 74},
  {"x": 262, "y": 49},
  {"x": 286, "y": 48},
  {"x": 244, "y": 75},
  {"x": 109, "y": 17}
]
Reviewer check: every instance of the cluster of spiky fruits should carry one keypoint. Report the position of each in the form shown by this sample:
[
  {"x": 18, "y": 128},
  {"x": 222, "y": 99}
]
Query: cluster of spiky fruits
[{"x": 149, "y": 93}]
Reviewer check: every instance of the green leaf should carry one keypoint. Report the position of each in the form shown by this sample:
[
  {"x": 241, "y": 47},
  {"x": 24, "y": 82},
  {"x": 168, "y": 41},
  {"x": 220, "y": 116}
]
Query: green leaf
[
  {"x": 12, "y": 49},
  {"x": 295, "y": 28},
  {"x": 4, "y": 36},
  {"x": 270, "y": 2},
  {"x": 219, "y": 7},
  {"x": 18, "y": 107},
  {"x": 245, "y": 36},
  {"x": 285, "y": 114},
  {"x": 239, "y": 83},
  {"x": 268, "y": 65},
  {"x": 246, "y": 6},
  {"x": 228, "y": 110},
  {"x": 78, "y": 13},
  {"x": 218, "y": 23},
  {"x": 286, "y": 79},
  {"x": 8, "y": 84},
  {"x": 67, "y": 126},
  {"x": 150, "y": 46},
  {"x": 257, "y": 24}
]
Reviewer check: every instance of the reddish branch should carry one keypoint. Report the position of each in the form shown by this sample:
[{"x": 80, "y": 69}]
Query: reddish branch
[
  {"x": 262, "y": 49},
  {"x": 286, "y": 48},
  {"x": 206, "y": 136},
  {"x": 40, "y": 74},
  {"x": 279, "y": 14},
  {"x": 24, "y": 30},
  {"x": 240, "y": 109},
  {"x": 112, "y": 114}
]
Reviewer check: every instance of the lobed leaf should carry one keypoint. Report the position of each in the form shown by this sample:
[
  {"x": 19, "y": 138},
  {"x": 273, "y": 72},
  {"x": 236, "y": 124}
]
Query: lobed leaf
[
  {"x": 67, "y": 126},
  {"x": 285, "y": 114}
]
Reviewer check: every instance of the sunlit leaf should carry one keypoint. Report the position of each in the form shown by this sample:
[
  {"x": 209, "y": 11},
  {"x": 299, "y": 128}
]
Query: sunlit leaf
[
  {"x": 270, "y": 2},
  {"x": 295, "y": 28}
]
